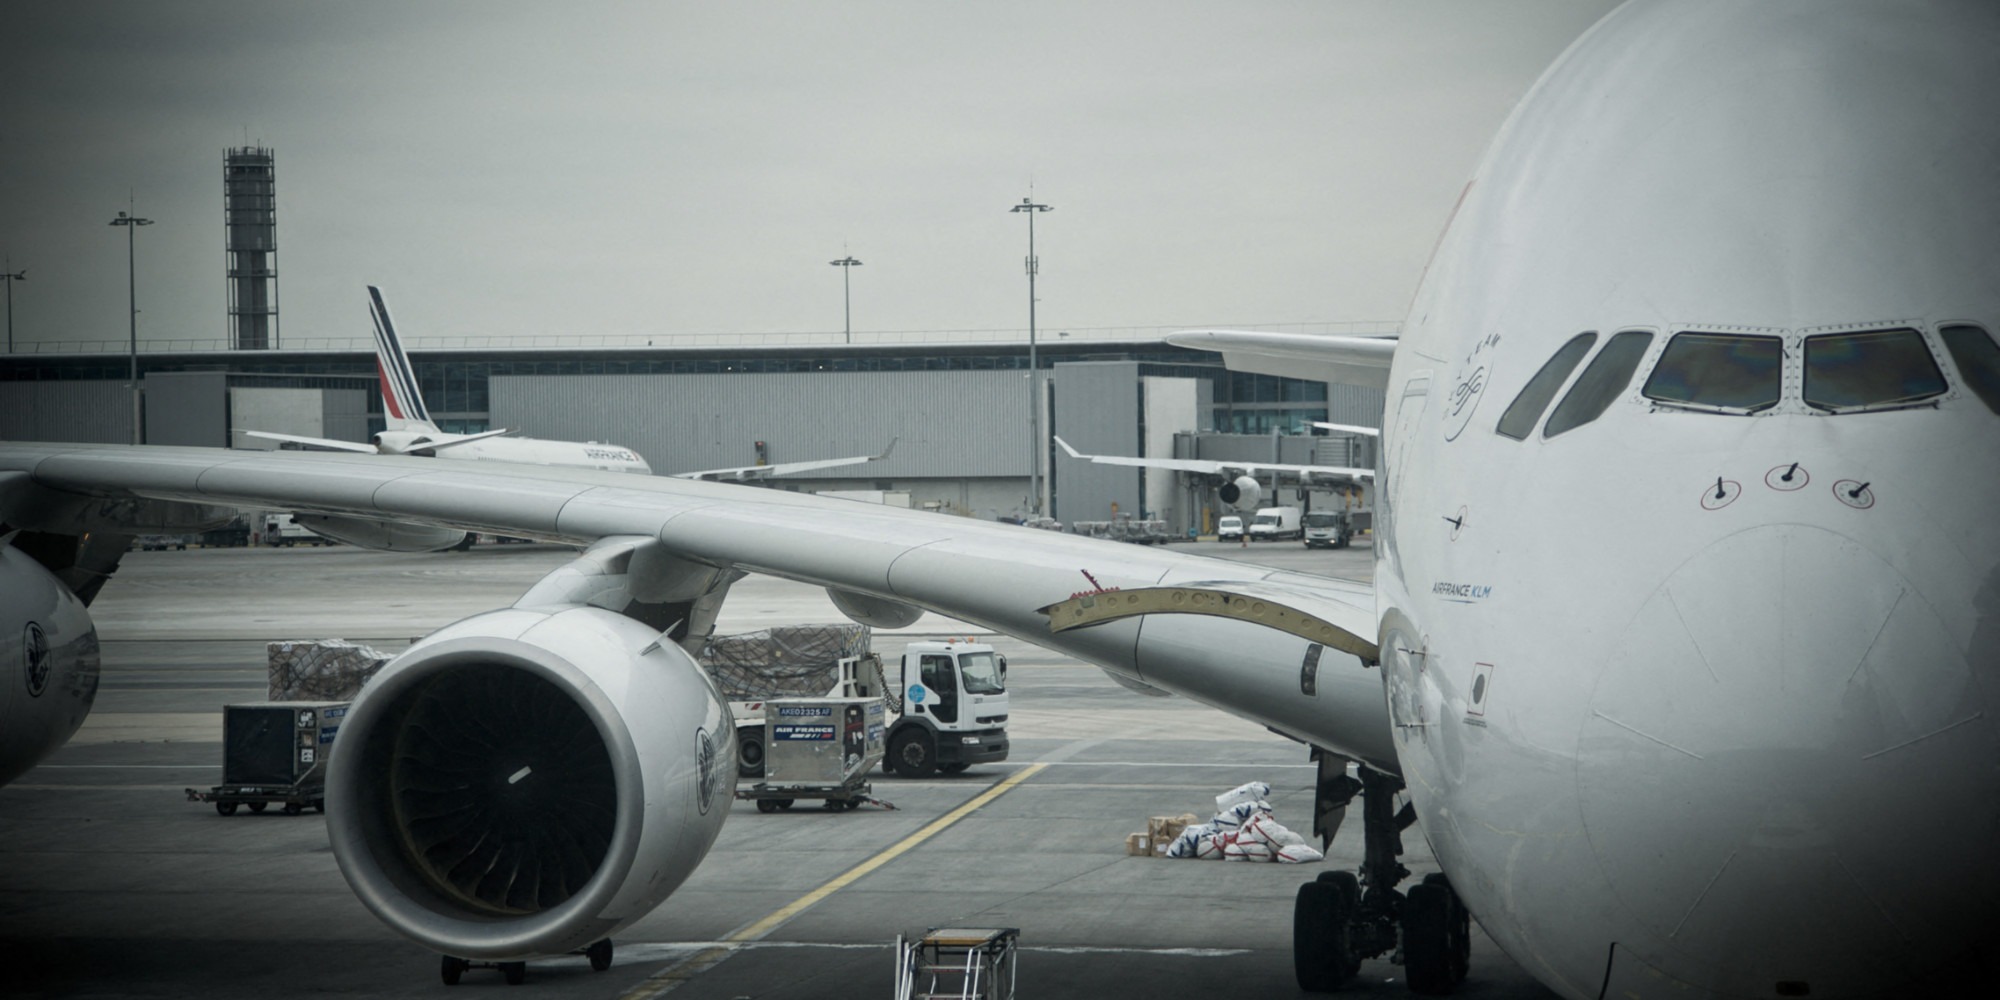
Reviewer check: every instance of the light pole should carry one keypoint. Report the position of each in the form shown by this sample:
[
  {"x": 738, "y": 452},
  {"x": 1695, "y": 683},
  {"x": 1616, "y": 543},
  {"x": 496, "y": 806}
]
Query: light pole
[
  {"x": 1029, "y": 206},
  {"x": 10, "y": 276},
  {"x": 846, "y": 264},
  {"x": 131, "y": 222}
]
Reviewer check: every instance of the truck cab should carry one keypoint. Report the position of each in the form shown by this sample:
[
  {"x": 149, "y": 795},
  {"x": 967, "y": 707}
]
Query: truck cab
[
  {"x": 1328, "y": 529},
  {"x": 954, "y": 709}
]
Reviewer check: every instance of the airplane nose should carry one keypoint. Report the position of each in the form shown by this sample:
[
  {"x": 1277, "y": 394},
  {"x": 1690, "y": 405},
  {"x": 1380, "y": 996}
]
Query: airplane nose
[{"x": 1788, "y": 773}]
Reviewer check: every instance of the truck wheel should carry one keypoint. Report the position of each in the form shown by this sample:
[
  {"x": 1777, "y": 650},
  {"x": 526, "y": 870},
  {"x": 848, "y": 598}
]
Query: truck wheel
[
  {"x": 915, "y": 753},
  {"x": 750, "y": 755}
]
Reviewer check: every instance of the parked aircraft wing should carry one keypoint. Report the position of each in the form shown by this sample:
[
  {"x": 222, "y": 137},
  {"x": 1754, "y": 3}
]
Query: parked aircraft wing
[
  {"x": 1348, "y": 360},
  {"x": 354, "y": 446},
  {"x": 1225, "y": 470},
  {"x": 751, "y": 473}
]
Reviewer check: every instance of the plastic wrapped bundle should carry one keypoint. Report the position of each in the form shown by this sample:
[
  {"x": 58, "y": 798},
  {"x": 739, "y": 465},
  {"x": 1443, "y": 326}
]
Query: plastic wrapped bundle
[
  {"x": 321, "y": 669},
  {"x": 1255, "y": 791},
  {"x": 790, "y": 661}
]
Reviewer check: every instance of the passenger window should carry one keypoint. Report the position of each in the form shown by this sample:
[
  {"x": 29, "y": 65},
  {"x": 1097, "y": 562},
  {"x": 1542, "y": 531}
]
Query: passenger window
[
  {"x": 1870, "y": 368},
  {"x": 1978, "y": 361},
  {"x": 1607, "y": 376},
  {"x": 1725, "y": 371},
  {"x": 1526, "y": 411}
]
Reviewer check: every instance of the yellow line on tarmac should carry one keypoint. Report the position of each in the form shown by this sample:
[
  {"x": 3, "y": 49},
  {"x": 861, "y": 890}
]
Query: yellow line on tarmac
[
  {"x": 667, "y": 980},
  {"x": 937, "y": 826}
]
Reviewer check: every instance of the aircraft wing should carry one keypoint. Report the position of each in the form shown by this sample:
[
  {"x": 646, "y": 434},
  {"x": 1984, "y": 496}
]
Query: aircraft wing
[
  {"x": 1226, "y": 470},
  {"x": 750, "y": 473},
  {"x": 1347, "y": 360},
  {"x": 998, "y": 576},
  {"x": 353, "y": 446}
]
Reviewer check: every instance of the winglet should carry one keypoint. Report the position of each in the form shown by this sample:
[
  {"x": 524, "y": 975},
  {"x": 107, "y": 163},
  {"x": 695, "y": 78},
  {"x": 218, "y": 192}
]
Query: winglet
[
  {"x": 886, "y": 451},
  {"x": 1073, "y": 453}
]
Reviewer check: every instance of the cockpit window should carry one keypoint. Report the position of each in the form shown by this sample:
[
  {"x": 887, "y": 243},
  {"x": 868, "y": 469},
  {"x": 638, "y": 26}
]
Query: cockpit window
[
  {"x": 1726, "y": 372},
  {"x": 1869, "y": 368},
  {"x": 1978, "y": 361},
  {"x": 1527, "y": 409},
  {"x": 1607, "y": 375}
]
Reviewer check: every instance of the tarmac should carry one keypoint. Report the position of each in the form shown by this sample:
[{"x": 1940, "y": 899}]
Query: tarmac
[{"x": 112, "y": 884}]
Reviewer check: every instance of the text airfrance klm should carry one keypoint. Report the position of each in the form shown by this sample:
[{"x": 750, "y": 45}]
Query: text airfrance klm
[{"x": 1462, "y": 591}]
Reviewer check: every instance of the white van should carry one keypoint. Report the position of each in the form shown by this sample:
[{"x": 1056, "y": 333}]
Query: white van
[
  {"x": 1273, "y": 523},
  {"x": 1228, "y": 528}
]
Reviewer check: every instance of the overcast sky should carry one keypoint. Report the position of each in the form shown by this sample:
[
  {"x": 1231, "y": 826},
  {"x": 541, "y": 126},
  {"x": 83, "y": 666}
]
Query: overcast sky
[{"x": 686, "y": 169}]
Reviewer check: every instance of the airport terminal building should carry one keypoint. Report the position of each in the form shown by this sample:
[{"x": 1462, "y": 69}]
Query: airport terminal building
[{"x": 957, "y": 412}]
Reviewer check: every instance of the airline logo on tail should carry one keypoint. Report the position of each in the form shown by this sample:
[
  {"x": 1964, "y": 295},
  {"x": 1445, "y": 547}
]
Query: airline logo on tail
[{"x": 402, "y": 404}]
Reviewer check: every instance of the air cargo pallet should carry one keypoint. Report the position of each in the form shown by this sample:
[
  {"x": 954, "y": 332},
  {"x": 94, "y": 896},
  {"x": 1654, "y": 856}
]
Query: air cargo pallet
[{"x": 294, "y": 798}]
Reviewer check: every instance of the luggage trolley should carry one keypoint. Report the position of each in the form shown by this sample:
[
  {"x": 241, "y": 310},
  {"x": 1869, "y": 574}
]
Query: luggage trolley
[{"x": 964, "y": 963}]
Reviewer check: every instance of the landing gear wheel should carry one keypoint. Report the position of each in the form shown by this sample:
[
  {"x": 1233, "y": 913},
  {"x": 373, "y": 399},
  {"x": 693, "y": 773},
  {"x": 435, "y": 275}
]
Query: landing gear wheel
[
  {"x": 750, "y": 756},
  {"x": 515, "y": 973},
  {"x": 915, "y": 753},
  {"x": 599, "y": 955},
  {"x": 1427, "y": 944},
  {"x": 449, "y": 969},
  {"x": 958, "y": 768},
  {"x": 294, "y": 808},
  {"x": 226, "y": 808},
  {"x": 257, "y": 807},
  {"x": 1458, "y": 929},
  {"x": 1323, "y": 956}
]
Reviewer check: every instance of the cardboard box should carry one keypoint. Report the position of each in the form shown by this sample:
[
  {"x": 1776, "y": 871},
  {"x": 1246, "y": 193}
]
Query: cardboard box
[
  {"x": 1139, "y": 845},
  {"x": 1163, "y": 830}
]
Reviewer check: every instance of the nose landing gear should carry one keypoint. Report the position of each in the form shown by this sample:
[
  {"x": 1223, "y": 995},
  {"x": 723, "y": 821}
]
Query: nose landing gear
[{"x": 1338, "y": 920}]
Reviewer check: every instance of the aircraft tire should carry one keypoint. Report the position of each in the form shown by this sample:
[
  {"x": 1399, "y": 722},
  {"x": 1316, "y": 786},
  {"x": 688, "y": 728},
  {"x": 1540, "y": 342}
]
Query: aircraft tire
[
  {"x": 915, "y": 753},
  {"x": 450, "y": 969},
  {"x": 1322, "y": 959},
  {"x": 1427, "y": 946},
  {"x": 1458, "y": 929},
  {"x": 515, "y": 973},
  {"x": 599, "y": 955}
]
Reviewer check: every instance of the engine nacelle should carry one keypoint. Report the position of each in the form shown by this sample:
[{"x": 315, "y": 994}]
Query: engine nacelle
[
  {"x": 1242, "y": 493},
  {"x": 48, "y": 663},
  {"x": 529, "y": 781}
]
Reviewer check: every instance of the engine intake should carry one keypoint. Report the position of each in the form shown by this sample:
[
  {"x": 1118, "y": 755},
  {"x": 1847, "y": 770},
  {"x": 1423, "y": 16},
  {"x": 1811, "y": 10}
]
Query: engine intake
[{"x": 526, "y": 782}]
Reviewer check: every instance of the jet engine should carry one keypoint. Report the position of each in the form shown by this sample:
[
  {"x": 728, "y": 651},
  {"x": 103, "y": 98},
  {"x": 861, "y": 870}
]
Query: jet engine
[
  {"x": 1242, "y": 493},
  {"x": 48, "y": 663},
  {"x": 529, "y": 781}
]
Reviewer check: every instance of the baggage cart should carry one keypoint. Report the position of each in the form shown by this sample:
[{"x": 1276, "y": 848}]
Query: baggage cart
[
  {"x": 818, "y": 748},
  {"x": 274, "y": 753}
]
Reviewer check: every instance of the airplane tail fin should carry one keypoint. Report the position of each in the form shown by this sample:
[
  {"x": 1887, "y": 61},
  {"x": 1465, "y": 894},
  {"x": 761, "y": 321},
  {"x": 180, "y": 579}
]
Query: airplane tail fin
[{"x": 402, "y": 404}]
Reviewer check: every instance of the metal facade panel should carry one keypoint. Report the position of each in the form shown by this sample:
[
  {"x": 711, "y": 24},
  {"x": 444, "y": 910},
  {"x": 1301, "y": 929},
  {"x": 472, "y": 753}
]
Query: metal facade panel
[
  {"x": 1359, "y": 405},
  {"x": 1097, "y": 412},
  {"x": 95, "y": 412},
  {"x": 945, "y": 423},
  {"x": 187, "y": 408}
]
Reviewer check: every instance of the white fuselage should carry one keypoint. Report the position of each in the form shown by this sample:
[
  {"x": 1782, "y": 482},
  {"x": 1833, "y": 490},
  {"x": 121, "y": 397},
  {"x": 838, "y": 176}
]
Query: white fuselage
[
  {"x": 527, "y": 451},
  {"x": 1735, "y": 734}
]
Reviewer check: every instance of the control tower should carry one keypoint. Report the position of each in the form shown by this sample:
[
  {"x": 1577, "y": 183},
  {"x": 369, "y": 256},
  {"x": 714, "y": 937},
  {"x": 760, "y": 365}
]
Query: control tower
[{"x": 250, "y": 241}]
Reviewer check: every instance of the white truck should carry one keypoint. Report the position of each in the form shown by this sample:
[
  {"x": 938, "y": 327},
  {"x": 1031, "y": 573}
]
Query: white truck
[
  {"x": 1329, "y": 529},
  {"x": 1273, "y": 523},
  {"x": 945, "y": 708}
]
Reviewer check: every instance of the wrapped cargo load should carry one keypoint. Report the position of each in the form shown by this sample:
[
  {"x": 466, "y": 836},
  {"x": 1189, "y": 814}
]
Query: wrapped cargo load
[
  {"x": 321, "y": 669},
  {"x": 1244, "y": 829},
  {"x": 789, "y": 661}
]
